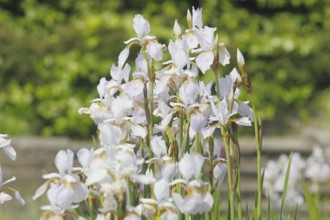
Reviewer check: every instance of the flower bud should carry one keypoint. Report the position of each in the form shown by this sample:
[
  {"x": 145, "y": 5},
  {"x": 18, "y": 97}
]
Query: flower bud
[
  {"x": 176, "y": 29},
  {"x": 189, "y": 19},
  {"x": 242, "y": 67}
]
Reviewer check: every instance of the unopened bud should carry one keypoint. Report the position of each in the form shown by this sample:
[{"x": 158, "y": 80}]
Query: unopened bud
[
  {"x": 176, "y": 29},
  {"x": 242, "y": 68},
  {"x": 189, "y": 19}
]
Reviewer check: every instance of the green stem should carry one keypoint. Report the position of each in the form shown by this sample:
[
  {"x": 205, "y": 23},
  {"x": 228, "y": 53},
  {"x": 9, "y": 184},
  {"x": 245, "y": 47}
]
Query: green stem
[
  {"x": 197, "y": 150},
  {"x": 225, "y": 135},
  {"x": 129, "y": 191},
  {"x": 258, "y": 149},
  {"x": 185, "y": 141},
  {"x": 238, "y": 190},
  {"x": 217, "y": 84}
]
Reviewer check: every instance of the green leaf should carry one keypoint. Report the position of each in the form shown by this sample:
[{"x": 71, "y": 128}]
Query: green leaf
[
  {"x": 285, "y": 185},
  {"x": 313, "y": 211},
  {"x": 296, "y": 213},
  {"x": 268, "y": 208}
]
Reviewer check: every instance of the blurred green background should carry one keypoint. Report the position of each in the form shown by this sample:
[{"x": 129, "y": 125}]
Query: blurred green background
[{"x": 53, "y": 52}]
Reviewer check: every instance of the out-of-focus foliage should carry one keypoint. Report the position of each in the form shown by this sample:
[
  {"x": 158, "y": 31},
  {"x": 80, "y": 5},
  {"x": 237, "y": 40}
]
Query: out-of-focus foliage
[{"x": 53, "y": 52}]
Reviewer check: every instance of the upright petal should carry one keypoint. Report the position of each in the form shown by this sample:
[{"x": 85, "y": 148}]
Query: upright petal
[
  {"x": 141, "y": 26},
  {"x": 197, "y": 18},
  {"x": 64, "y": 161},
  {"x": 224, "y": 55},
  {"x": 123, "y": 57}
]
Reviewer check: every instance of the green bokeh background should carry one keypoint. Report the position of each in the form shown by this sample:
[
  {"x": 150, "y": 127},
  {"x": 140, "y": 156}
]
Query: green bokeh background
[{"x": 53, "y": 52}]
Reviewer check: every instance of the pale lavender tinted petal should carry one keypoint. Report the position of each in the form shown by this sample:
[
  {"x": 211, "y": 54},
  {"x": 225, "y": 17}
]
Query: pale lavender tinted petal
[
  {"x": 4, "y": 197},
  {"x": 244, "y": 121},
  {"x": 84, "y": 157},
  {"x": 204, "y": 61},
  {"x": 197, "y": 121},
  {"x": 19, "y": 198},
  {"x": 162, "y": 190},
  {"x": 64, "y": 161},
  {"x": 240, "y": 58},
  {"x": 198, "y": 164},
  {"x": 208, "y": 131},
  {"x": 186, "y": 167},
  {"x": 10, "y": 151},
  {"x": 158, "y": 146},
  {"x": 224, "y": 56},
  {"x": 40, "y": 191},
  {"x": 176, "y": 29},
  {"x": 123, "y": 56},
  {"x": 155, "y": 50}
]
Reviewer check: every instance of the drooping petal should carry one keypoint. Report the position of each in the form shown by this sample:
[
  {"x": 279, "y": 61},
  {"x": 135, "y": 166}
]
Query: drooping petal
[
  {"x": 158, "y": 146},
  {"x": 162, "y": 190},
  {"x": 186, "y": 167},
  {"x": 4, "y": 197},
  {"x": 208, "y": 131},
  {"x": 205, "y": 38},
  {"x": 84, "y": 157},
  {"x": 134, "y": 89},
  {"x": 207, "y": 203},
  {"x": 178, "y": 200},
  {"x": 110, "y": 135},
  {"x": 81, "y": 192},
  {"x": 226, "y": 86},
  {"x": 197, "y": 121},
  {"x": 244, "y": 121},
  {"x": 155, "y": 50},
  {"x": 142, "y": 179},
  {"x": 204, "y": 61},
  {"x": 121, "y": 106},
  {"x": 198, "y": 164},
  {"x": 188, "y": 92},
  {"x": 219, "y": 173},
  {"x": 169, "y": 171},
  {"x": 191, "y": 40},
  {"x": 245, "y": 110},
  {"x": 138, "y": 131},
  {"x": 191, "y": 204}
]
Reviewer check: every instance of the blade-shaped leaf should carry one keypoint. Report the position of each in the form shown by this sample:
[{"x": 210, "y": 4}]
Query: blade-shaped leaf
[{"x": 313, "y": 211}]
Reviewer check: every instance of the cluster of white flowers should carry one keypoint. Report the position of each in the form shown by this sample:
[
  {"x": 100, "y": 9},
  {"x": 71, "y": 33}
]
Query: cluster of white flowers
[
  {"x": 156, "y": 155},
  {"x": 5, "y": 144},
  {"x": 315, "y": 170}
]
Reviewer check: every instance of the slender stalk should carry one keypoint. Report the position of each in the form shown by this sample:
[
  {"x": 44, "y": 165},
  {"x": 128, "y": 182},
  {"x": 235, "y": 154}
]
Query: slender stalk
[
  {"x": 258, "y": 149},
  {"x": 216, "y": 83},
  {"x": 225, "y": 134},
  {"x": 197, "y": 150},
  {"x": 238, "y": 190},
  {"x": 130, "y": 196}
]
